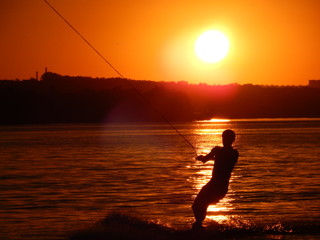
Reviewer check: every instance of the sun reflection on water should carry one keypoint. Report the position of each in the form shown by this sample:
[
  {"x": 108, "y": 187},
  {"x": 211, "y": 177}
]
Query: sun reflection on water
[{"x": 215, "y": 120}]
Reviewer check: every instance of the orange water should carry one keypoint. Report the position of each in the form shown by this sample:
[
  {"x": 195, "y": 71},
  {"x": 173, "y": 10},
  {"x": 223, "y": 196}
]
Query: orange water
[{"x": 56, "y": 178}]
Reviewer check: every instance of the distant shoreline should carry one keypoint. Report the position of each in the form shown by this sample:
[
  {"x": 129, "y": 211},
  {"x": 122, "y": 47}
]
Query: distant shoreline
[
  {"x": 65, "y": 99},
  {"x": 174, "y": 123}
]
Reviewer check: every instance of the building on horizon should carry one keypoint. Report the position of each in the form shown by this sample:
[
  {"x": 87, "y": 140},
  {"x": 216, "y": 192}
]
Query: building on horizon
[{"x": 314, "y": 83}]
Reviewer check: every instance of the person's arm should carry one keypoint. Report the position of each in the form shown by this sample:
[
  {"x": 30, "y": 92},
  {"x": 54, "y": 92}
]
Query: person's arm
[
  {"x": 203, "y": 158},
  {"x": 209, "y": 156}
]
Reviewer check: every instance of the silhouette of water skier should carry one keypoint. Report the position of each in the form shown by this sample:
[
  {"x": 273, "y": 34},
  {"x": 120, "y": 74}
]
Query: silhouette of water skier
[{"x": 225, "y": 159}]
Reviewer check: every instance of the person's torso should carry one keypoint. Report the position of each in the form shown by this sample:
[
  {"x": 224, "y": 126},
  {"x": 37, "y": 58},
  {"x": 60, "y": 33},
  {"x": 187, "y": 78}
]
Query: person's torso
[{"x": 225, "y": 160}]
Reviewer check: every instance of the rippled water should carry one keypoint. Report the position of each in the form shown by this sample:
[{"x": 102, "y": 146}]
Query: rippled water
[{"x": 55, "y": 178}]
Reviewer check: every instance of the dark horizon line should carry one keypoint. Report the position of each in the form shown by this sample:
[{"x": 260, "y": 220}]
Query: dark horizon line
[{"x": 163, "y": 81}]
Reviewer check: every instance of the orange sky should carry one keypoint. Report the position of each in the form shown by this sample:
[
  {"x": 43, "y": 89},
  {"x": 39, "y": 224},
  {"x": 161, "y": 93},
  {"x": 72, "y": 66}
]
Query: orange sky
[{"x": 272, "y": 42}]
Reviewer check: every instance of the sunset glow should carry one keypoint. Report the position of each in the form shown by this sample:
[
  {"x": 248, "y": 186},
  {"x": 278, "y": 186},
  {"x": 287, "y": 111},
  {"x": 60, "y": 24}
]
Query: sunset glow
[
  {"x": 212, "y": 46},
  {"x": 155, "y": 40}
]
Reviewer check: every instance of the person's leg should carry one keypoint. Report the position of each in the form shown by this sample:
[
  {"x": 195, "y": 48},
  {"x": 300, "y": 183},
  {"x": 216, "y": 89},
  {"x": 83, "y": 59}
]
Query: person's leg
[
  {"x": 206, "y": 196},
  {"x": 200, "y": 206}
]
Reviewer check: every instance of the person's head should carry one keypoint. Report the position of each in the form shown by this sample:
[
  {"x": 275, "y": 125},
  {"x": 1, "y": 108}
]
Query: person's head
[{"x": 228, "y": 137}]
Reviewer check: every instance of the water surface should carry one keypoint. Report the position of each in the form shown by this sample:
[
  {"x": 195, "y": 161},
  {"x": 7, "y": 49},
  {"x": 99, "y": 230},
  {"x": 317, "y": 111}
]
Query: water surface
[{"x": 55, "y": 178}]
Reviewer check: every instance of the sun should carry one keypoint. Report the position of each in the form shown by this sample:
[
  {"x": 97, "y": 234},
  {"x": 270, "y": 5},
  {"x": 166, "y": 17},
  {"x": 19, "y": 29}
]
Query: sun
[{"x": 212, "y": 46}]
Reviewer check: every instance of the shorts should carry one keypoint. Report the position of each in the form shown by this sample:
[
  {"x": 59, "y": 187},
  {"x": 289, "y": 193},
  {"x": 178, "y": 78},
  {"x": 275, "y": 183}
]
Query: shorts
[{"x": 211, "y": 193}]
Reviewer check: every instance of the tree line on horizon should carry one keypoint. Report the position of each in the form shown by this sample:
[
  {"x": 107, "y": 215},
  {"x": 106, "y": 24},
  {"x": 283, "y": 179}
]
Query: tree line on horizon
[{"x": 65, "y": 99}]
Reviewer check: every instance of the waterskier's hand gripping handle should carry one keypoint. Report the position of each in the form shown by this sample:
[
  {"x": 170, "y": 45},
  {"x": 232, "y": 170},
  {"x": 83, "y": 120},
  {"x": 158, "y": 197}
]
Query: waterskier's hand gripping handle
[{"x": 202, "y": 158}]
